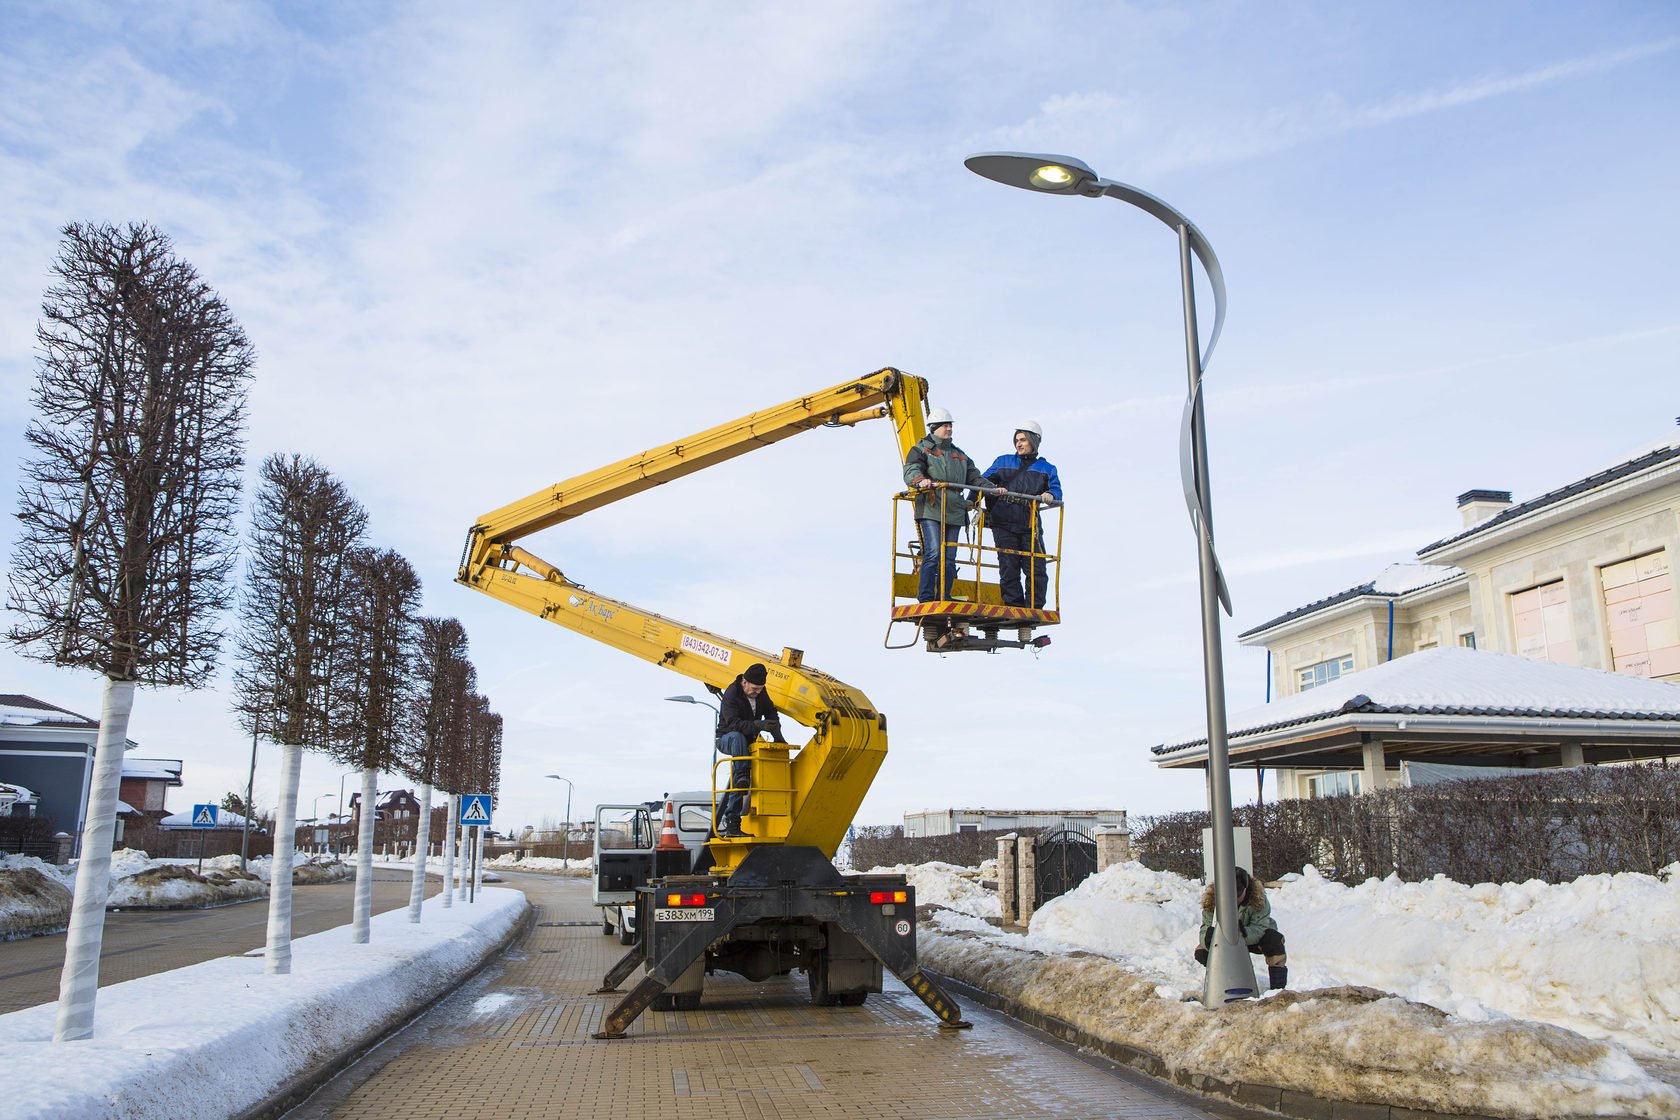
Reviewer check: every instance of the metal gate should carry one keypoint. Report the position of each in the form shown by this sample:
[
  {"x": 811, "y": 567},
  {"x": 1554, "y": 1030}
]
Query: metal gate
[{"x": 1064, "y": 858}]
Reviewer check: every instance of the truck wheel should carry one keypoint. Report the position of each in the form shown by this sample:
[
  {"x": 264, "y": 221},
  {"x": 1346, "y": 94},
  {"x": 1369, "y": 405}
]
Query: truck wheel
[
  {"x": 682, "y": 1001},
  {"x": 816, "y": 974},
  {"x": 851, "y": 999},
  {"x": 606, "y": 926},
  {"x": 626, "y": 936}
]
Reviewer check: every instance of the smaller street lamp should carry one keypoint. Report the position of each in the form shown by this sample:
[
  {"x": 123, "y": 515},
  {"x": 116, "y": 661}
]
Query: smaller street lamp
[{"x": 568, "y": 832}]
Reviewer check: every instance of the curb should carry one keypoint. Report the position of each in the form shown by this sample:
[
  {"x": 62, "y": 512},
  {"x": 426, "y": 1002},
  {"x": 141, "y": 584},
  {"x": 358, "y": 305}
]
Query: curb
[
  {"x": 301, "y": 1087},
  {"x": 1287, "y": 1102}
]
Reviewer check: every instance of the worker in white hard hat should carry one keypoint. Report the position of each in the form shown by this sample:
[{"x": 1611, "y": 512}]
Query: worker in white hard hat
[
  {"x": 1016, "y": 527},
  {"x": 941, "y": 512}
]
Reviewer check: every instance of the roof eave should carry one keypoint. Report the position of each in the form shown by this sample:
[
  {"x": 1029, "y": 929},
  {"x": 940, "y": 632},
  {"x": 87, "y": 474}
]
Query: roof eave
[
  {"x": 1497, "y": 530},
  {"x": 1550, "y": 727}
]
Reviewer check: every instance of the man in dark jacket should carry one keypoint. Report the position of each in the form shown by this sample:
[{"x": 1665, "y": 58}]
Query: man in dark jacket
[
  {"x": 1016, "y": 528},
  {"x": 743, "y": 715}
]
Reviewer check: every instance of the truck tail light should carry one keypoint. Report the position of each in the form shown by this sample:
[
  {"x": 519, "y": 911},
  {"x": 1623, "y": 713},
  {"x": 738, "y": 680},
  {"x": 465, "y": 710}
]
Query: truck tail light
[
  {"x": 889, "y": 896},
  {"x": 685, "y": 900}
]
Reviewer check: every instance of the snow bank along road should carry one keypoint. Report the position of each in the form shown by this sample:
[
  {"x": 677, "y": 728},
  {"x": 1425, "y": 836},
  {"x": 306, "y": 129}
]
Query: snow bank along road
[
  {"x": 1515, "y": 1000},
  {"x": 219, "y": 1038}
]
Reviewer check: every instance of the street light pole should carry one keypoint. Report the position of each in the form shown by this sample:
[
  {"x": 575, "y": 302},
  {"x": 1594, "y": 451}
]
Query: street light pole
[
  {"x": 568, "y": 833},
  {"x": 1230, "y": 973},
  {"x": 341, "y": 778}
]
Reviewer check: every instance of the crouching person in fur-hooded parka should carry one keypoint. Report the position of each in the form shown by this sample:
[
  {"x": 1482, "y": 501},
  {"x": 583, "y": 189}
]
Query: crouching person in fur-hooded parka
[{"x": 1254, "y": 919}]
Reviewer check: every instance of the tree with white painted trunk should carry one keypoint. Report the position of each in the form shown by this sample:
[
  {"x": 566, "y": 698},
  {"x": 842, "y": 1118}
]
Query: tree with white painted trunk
[
  {"x": 293, "y": 611},
  {"x": 133, "y": 477},
  {"x": 447, "y": 679},
  {"x": 374, "y": 693}
]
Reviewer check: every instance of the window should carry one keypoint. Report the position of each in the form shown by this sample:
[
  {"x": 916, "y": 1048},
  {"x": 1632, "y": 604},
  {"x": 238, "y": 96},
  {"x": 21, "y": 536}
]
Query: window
[
  {"x": 1467, "y": 639},
  {"x": 1639, "y": 603},
  {"x": 1541, "y": 619},
  {"x": 1339, "y": 783},
  {"x": 1324, "y": 672},
  {"x": 968, "y": 828}
]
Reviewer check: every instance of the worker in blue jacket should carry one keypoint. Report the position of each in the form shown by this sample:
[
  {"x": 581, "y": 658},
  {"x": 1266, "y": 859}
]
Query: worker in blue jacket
[{"x": 1016, "y": 527}]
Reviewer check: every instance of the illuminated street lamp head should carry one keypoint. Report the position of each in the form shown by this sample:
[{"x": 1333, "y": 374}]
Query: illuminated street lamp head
[{"x": 1043, "y": 173}]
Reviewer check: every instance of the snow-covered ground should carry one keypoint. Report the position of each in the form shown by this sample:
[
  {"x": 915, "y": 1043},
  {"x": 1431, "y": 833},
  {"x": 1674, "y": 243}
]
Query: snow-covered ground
[
  {"x": 1515, "y": 999},
  {"x": 547, "y": 864},
  {"x": 214, "y": 1039}
]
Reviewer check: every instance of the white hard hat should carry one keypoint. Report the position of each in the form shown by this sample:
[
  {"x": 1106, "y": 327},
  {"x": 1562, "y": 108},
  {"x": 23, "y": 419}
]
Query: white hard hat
[
  {"x": 1032, "y": 426},
  {"x": 937, "y": 417}
]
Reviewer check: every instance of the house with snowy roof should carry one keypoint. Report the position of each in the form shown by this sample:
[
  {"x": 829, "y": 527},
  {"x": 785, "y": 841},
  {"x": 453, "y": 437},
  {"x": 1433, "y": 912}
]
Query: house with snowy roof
[
  {"x": 146, "y": 783},
  {"x": 1580, "y": 576},
  {"x": 49, "y": 750}
]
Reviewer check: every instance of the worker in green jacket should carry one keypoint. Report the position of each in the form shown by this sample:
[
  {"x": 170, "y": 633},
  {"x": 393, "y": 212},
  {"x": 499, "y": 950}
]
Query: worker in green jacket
[
  {"x": 1259, "y": 931},
  {"x": 941, "y": 512}
]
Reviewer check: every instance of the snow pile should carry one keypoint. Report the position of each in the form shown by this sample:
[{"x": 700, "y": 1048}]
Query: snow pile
[
  {"x": 511, "y": 862},
  {"x": 948, "y": 886},
  {"x": 1514, "y": 999},
  {"x": 217, "y": 1038},
  {"x": 168, "y": 886},
  {"x": 32, "y": 900},
  {"x": 1596, "y": 955},
  {"x": 1344, "y": 1043}
]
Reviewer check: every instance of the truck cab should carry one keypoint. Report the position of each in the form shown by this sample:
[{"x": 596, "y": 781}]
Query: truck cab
[{"x": 626, "y": 856}]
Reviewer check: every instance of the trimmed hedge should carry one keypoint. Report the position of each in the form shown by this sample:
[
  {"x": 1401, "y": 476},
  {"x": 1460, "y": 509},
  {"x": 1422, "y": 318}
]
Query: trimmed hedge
[{"x": 1552, "y": 825}]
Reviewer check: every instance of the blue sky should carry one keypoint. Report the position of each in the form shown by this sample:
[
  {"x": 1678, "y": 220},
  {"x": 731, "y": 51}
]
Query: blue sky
[{"x": 480, "y": 251}]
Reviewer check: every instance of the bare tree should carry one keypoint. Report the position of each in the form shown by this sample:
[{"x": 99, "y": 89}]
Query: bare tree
[
  {"x": 446, "y": 681},
  {"x": 127, "y": 504},
  {"x": 373, "y": 691},
  {"x": 481, "y": 760},
  {"x": 304, "y": 523}
]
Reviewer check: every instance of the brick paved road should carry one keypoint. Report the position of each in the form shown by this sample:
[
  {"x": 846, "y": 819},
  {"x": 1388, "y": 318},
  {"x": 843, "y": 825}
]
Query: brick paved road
[
  {"x": 515, "y": 1044},
  {"x": 141, "y": 942}
]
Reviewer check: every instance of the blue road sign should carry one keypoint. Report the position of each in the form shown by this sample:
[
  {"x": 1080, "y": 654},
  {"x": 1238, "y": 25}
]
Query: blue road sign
[
  {"x": 204, "y": 816},
  {"x": 475, "y": 809}
]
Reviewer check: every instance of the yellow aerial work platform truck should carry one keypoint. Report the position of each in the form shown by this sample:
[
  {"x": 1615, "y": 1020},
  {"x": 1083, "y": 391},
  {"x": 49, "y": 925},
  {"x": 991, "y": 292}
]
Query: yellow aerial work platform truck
[{"x": 771, "y": 901}]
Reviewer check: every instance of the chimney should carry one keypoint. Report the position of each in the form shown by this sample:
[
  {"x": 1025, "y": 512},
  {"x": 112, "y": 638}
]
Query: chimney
[{"x": 1479, "y": 505}]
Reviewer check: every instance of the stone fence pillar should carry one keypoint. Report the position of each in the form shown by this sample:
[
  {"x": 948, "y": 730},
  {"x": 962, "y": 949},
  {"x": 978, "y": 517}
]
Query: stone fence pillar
[
  {"x": 1006, "y": 877},
  {"x": 65, "y": 844},
  {"x": 1026, "y": 878},
  {"x": 1114, "y": 845}
]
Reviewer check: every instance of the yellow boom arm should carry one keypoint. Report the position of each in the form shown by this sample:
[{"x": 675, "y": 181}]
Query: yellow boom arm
[{"x": 807, "y": 797}]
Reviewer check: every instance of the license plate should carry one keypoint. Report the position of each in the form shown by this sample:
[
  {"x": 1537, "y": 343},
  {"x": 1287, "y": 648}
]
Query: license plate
[{"x": 685, "y": 914}]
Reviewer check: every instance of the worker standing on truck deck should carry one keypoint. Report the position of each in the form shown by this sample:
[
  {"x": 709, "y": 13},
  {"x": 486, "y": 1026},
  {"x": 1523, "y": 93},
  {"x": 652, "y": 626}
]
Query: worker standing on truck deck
[
  {"x": 940, "y": 514},
  {"x": 744, "y": 714},
  {"x": 1017, "y": 529},
  {"x": 1259, "y": 932}
]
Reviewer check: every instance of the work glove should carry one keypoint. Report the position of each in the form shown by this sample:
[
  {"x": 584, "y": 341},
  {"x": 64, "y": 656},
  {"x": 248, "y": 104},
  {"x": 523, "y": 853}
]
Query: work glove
[
  {"x": 1201, "y": 956},
  {"x": 1046, "y": 498}
]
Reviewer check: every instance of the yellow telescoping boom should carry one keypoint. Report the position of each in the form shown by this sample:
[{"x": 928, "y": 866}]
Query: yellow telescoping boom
[
  {"x": 810, "y": 797},
  {"x": 771, "y": 902}
]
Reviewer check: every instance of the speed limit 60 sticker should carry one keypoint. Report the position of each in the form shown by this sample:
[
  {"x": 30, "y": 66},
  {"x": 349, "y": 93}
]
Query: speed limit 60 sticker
[{"x": 902, "y": 928}]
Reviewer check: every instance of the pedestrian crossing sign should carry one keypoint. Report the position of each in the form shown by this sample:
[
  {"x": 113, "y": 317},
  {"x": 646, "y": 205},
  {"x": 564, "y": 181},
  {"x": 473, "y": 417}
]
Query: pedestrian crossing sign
[
  {"x": 475, "y": 809},
  {"x": 204, "y": 816}
]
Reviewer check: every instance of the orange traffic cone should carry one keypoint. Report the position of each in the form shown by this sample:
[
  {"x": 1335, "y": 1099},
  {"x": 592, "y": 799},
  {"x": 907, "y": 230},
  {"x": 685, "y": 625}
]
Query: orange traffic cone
[{"x": 668, "y": 838}]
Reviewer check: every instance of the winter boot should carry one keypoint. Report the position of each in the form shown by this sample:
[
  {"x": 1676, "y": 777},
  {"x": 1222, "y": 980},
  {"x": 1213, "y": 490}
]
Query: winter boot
[{"x": 1278, "y": 976}]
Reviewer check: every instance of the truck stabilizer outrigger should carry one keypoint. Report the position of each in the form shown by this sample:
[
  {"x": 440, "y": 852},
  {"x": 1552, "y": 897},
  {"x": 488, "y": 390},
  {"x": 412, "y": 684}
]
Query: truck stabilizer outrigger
[{"x": 782, "y": 908}]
